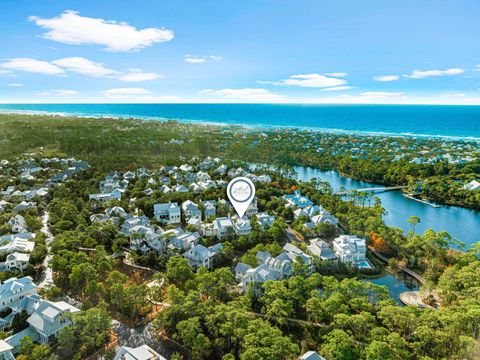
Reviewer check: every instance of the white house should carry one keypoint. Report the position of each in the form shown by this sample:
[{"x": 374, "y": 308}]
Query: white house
[
  {"x": 252, "y": 208},
  {"x": 6, "y": 351},
  {"x": 18, "y": 224},
  {"x": 271, "y": 268},
  {"x": 209, "y": 208},
  {"x": 143, "y": 352},
  {"x": 167, "y": 212},
  {"x": 321, "y": 249},
  {"x": 191, "y": 210},
  {"x": 242, "y": 226},
  {"x": 17, "y": 261},
  {"x": 12, "y": 243},
  {"x": 180, "y": 188},
  {"x": 265, "y": 220},
  {"x": 294, "y": 252},
  {"x": 223, "y": 226},
  {"x": 24, "y": 205},
  {"x": 472, "y": 185},
  {"x": 181, "y": 240},
  {"x": 350, "y": 248},
  {"x": 201, "y": 256},
  {"x": 107, "y": 196}
]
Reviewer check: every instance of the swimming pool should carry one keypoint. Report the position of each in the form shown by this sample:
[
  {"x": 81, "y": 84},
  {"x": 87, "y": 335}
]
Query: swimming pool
[{"x": 364, "y": 264}]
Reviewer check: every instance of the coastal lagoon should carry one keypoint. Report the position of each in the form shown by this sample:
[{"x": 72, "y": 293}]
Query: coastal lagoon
[{"x": 461, "y": 223}]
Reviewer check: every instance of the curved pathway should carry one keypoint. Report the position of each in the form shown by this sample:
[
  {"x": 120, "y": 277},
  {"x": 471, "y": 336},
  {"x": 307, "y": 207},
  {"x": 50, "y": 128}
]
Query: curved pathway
[
  {"x": 47, "y": 274},
  {"x": 407, "y": 271}
]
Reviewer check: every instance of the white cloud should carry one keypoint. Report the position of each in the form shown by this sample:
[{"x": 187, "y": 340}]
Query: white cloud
[
  {"x": 71, "y": 28},
  {"x": 337, "y": 74},
  {"x": 121, "y": 92},
  {"x": 32, "y": 65},
  {"x": 454, "y": 95},
  {"x": 250, "y": 94},
  {"x": 59, "y": 93},
  {"x": 138, "y": 95},
  {"x": 195, "y": 59},
  {"x": 4, "y": 72},
  {"x": 136, "y": 75},
  {"x": 366, "y": 97},
  {"x": 420, "y": 74},
  {"x": 308, "y": 80},
  {"x": 85, "y": 67},
  {"x": 15, "y": 85},
  {"x": 338, "y": 88},
  {"x": 386, "y": 78}
]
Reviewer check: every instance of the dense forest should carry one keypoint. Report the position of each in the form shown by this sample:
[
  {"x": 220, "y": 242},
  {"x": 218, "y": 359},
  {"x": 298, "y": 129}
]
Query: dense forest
[{"x": 333, "y": 311}]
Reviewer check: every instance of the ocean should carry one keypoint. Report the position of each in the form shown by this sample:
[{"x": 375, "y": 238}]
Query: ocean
[{"x": 414, "y": 120}]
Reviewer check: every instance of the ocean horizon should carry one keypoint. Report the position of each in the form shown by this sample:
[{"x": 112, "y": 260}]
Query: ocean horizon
[{"x": 446, "y": 121}]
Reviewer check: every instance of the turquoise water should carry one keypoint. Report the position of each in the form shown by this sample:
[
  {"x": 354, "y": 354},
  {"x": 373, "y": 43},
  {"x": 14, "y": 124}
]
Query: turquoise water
[
  {"x": 463, "y": 224},
  {"x": 454, "y": 121}
]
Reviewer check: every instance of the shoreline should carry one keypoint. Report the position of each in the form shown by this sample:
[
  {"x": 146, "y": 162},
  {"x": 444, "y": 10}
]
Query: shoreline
[{"x": 259, "y": 127}]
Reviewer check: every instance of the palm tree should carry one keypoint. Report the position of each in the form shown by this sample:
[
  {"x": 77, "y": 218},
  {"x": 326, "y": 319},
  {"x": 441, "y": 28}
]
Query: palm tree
[{"x": 414, "y": 220}]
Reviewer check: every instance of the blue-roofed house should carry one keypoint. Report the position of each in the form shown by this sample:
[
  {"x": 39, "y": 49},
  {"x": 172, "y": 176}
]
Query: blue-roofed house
[
  {"x": 311, "y": 355},
  {"x": 13, "y": 290},
  {"x": 298, "y": 200}
]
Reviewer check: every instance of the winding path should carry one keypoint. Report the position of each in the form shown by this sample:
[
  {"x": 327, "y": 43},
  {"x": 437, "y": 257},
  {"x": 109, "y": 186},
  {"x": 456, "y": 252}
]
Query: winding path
[{"x": 47, "y": 274}]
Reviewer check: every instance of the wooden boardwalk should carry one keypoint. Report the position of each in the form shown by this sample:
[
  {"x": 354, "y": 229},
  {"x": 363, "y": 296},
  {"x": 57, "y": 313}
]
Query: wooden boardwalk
[
  {"x": 414, "y": 298},
  {"x": 407, "y": 271}
]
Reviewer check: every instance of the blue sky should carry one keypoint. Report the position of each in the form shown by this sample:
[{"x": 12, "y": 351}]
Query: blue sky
[{"x": 330, "y": 51}]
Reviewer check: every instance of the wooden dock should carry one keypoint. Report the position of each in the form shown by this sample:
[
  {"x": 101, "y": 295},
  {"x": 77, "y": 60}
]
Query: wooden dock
[{"x": 409, "y": 196}]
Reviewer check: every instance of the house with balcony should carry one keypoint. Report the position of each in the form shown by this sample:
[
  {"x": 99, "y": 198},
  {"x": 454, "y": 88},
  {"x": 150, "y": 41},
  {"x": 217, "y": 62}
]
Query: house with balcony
[
  {"x": 168, "y": 213},
  {"x": 201, "y": 256},
  {"x": 350, "y": 248},
  {"x": 223, "y": 227},
  {"x": 14, "y": 290}
]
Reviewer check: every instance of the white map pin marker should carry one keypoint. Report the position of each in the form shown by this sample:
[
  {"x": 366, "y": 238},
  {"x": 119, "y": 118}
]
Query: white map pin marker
[{"x": 240, "y": 191}]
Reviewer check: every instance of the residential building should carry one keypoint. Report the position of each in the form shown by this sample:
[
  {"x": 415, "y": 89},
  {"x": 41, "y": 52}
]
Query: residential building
[
  {"x": 322, "y": 250},
  {"x": 191, "y": 210},
  {"x": 223, "y": 226},
  {"x": 18, "y": 224},
  {"x": 298, "y": 200},
  {"x": 242, "y": 226},
  {"x": 311, "y": 355},
  {"x": 168, "y": 213},
  {"x": 17, "y": 261},
  {"x": 210, "y": 209},
  {"x": 201, "y": 256},
  {"x": 472, "y": 185},
  {"x": 271, "y": 268},
  {"x": 13, "y": 290},
  {"x": 350, "y": 248},
  {"x": 143, "y": 352},
  {"x": 6, "y": 351},
  {"x": 265, "y": 220}
]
